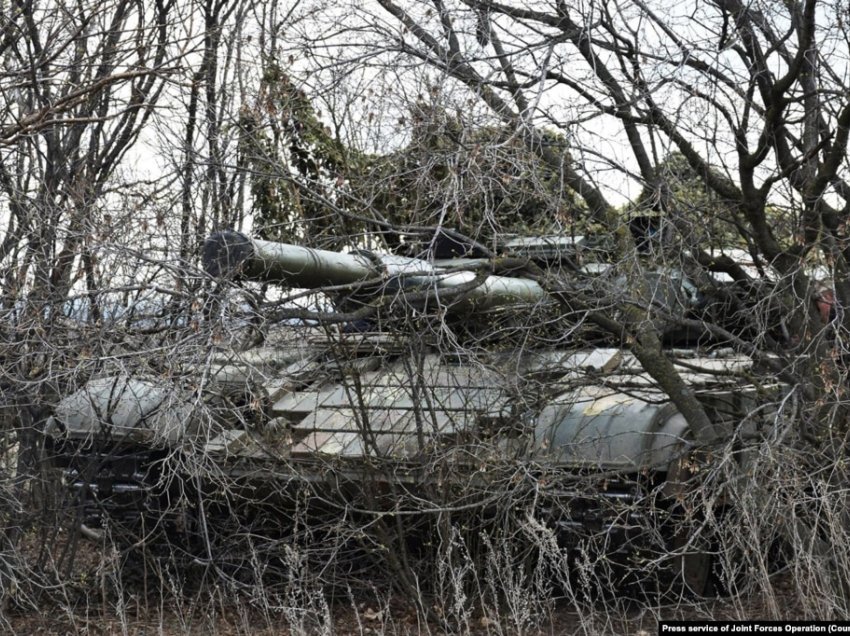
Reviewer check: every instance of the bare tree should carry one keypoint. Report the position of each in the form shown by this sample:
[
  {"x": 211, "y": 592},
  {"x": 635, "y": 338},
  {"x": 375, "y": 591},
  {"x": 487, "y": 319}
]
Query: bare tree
[
  {"x": 751, "y": 96},
  {"x": 82, "y": 84},
  {"x": 699, "y": 150},
  {"x": 77, "y": 93}
]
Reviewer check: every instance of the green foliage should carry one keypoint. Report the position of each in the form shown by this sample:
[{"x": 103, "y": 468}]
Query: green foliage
[
  {"x": 295, "y": 162},
  {"x": 680, "y": 196},
  {"x": 481, "y": 181}
]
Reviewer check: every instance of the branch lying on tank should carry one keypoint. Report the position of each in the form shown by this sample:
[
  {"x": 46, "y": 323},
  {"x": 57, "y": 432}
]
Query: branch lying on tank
[
  {"x": 771, "y": 360},
  {"x": 385, "y": 227},
  {"x": 456, "y": 294},
  {"x": 645, "y": 343}
]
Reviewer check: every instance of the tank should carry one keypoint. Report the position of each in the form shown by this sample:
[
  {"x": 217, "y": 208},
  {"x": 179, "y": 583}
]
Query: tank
[{"x": 407, "y": 392}]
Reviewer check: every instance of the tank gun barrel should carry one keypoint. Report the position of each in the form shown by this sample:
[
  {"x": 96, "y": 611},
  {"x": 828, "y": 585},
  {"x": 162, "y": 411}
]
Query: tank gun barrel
[{"x": 231, "y": 253}]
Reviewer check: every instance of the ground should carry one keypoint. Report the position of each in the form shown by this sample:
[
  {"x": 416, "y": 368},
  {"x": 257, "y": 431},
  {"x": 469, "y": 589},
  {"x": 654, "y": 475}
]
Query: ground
[{"x": 396, "y": 619}]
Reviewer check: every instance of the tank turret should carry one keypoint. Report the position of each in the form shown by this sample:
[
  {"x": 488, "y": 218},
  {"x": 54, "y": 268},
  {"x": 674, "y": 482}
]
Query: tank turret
[{"x": 459, "y": 286}]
